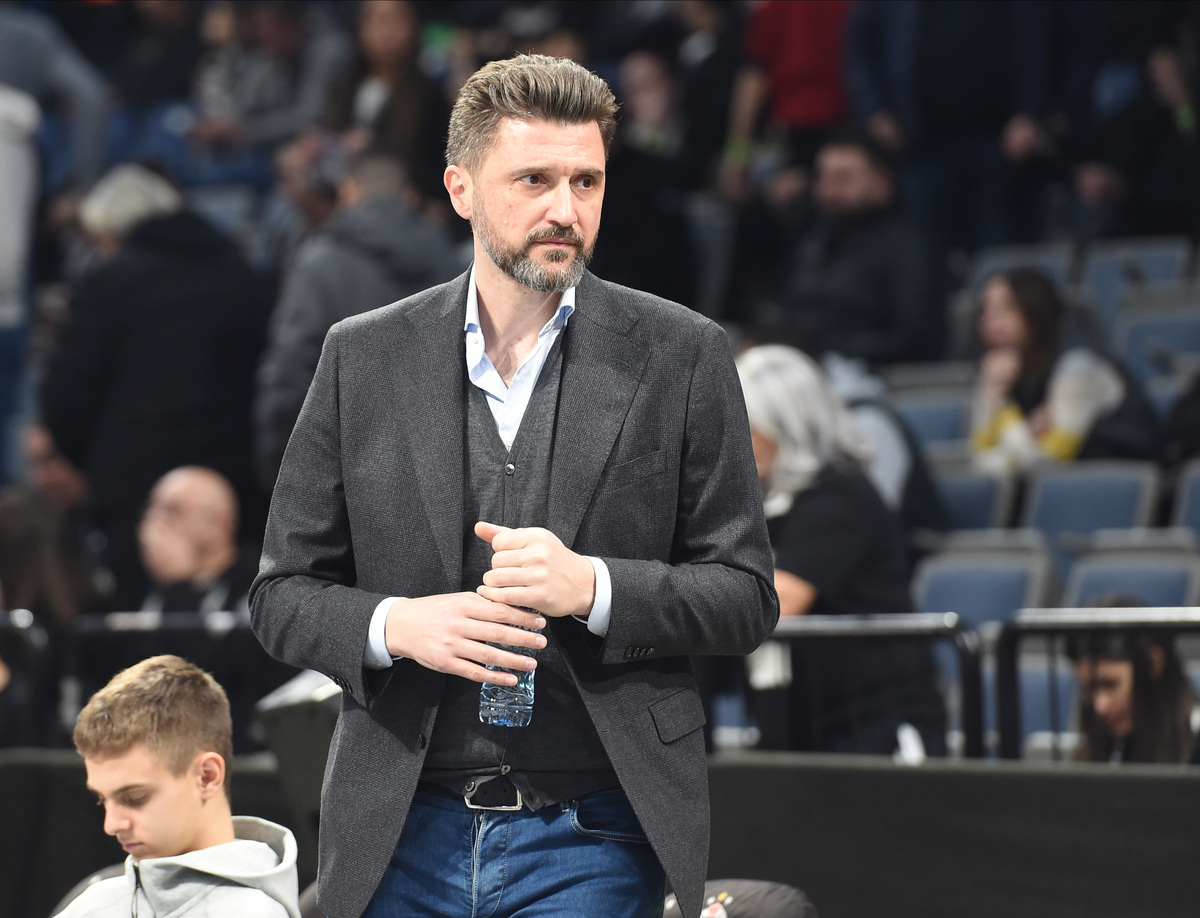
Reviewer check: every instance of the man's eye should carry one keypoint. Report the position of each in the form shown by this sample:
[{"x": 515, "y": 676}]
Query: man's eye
[
  {"x": 135, "y": 801},
  {"x": 531, "y": 179}
]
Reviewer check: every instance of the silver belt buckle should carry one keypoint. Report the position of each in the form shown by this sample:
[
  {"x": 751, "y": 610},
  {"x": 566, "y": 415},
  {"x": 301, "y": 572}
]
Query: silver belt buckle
[{"x": 496, "y": 809}]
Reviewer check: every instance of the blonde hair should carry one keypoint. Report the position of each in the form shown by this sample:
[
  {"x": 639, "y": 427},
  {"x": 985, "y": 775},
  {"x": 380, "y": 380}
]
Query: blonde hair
[
  {"x": 173, "y": 708},
  {"x": 528, "y": 87},
  {"x": 124, "y": 198}
]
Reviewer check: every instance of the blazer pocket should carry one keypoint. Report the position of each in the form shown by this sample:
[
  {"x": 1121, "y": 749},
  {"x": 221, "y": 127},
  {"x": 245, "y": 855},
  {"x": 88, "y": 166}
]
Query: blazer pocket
[
  {"x": 634, "y": 470},
  {"x": 677, "y": 715}
]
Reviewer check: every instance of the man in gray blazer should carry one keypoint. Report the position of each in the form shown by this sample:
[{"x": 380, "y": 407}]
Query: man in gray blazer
[{"x": 526, "y": 437}]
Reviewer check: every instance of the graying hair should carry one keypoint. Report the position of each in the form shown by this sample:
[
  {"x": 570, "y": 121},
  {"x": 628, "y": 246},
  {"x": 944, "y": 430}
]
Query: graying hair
[
  {"x": 528, "y": 87},
  {"x": 124, "y": 198}
]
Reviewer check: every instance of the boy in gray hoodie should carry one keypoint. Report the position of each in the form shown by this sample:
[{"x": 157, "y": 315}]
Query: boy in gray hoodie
[{"x": 156, "y": 742}]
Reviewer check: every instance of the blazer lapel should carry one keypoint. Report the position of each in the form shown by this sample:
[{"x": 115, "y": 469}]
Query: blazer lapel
[
  {"x": 432, "y": 411},
  {"x": 602, "y": 368}
]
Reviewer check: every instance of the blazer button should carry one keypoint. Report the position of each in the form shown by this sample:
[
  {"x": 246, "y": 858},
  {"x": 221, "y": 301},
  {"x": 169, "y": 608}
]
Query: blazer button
[
  {"x": 421, "y": 740},
  {"x": 509, "y": 468}
]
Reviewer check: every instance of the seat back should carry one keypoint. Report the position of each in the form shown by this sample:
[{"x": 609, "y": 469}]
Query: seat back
[
  {"x": 1112, "y": 269},
  {"x": 1186, "y": 511},
  {"x": 1159, "y": 579},
  {"x": 1153, "y": 343},
  {"x": 1091, "y": 495},
  {"x": 936, "y": 415},
  {"x": 1056, "y": 259},
  {"x": 981, "y": 587},
  {"x": 974, "y": 500}
]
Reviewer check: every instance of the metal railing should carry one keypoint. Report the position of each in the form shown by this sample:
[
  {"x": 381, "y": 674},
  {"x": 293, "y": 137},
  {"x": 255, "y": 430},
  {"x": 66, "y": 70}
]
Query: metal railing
[
  {"x": 931, "y": 626},
  {"x": 1054, "y": 623}
]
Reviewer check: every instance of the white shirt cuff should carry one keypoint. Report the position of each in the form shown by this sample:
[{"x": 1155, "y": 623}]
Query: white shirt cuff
[
  {"x": 376, "y": 655},
  {"x": 597, "y": 620}
]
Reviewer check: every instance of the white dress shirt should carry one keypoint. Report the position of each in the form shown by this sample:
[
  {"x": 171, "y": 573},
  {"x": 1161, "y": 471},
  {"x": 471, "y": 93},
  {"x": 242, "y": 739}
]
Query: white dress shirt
[{"x": 507, "y": 404}]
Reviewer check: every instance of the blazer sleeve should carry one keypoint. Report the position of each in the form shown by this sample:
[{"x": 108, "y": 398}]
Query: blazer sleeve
[
  {"x": 715, "y": 594},
  {"x": 304, "y": 606}
]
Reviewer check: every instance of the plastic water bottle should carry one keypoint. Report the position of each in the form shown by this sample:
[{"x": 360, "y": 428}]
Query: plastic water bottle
[{"x": 508, "y": 705}]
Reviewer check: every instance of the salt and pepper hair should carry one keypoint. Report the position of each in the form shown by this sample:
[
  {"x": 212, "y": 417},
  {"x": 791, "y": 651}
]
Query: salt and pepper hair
[
  {"x": 528, "y": 87},
  {"x": 789, "y": 400},
  {"x": 124, "y": 198}
]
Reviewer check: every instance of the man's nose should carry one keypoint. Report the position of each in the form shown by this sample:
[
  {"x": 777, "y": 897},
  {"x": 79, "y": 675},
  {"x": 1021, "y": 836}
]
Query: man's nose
[{"x": 562, "y": 205}]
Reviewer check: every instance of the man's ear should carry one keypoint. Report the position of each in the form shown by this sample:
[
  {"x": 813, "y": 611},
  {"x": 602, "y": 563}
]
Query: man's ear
[
  {"x": 209, "y": 769},
  {"x": 459, "y": 186}
]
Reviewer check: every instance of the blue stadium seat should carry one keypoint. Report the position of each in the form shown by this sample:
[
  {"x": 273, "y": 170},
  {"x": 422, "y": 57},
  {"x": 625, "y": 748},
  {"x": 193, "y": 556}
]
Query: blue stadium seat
[
  {"x": 974, "y": 500},
  {"x": 1156, "y": 578},
  {"x": 1113, "y": 268},
  {"x": 1186, "y": 511},
  {"x": 981, "y": 587},
  {"x": 1151, "y": 342},
  {"x": 1076, "y": 500},
  {"x": 936, "y": 415},
  {"x": 1054, "y": 258}
]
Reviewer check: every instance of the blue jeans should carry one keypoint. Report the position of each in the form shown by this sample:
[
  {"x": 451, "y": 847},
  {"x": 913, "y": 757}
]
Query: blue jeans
[{"x": 579, "y": 858}]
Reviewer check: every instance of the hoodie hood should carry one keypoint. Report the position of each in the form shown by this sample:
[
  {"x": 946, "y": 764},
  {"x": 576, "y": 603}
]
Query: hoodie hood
[
  {"x": 262, "y": 856},
  {"x": 390, "y": 233}
]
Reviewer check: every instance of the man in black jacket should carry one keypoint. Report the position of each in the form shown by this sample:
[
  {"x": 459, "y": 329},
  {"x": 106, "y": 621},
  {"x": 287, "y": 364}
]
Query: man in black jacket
[
  {"x": 867, "y": 282},
  {"x": 155, "y": 366}
]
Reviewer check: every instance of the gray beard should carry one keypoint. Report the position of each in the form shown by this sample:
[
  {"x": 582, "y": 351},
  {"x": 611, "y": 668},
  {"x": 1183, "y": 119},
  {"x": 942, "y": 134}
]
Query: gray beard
[{"x": 517, "y": 264}]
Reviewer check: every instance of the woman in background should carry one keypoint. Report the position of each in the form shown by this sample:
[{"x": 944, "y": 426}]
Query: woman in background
[
  {"x": 1039, "y": 398},
  {"x": 838, "y": 551}
]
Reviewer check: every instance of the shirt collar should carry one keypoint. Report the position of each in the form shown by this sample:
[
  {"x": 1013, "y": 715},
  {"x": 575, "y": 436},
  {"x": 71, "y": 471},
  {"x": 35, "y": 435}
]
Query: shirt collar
[{"x": 557, "y": 322}]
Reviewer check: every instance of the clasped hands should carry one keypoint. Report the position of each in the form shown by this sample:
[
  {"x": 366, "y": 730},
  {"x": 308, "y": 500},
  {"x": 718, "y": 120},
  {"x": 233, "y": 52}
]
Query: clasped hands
[{"x": 454, "y": 633}]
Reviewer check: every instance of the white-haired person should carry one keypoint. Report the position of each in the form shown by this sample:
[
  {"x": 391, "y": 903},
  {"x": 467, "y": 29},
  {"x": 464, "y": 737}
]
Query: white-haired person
[
  {"x": 838, "y": 551},
  {"x": 154, "y": 367}
]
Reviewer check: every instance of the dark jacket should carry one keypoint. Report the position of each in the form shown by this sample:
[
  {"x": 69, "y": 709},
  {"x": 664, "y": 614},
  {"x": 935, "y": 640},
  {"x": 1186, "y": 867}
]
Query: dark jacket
[
  {"x": 872, "y": 286},
  {"x": 373, "y": 254},
  {"x": 155, "y": 367}
]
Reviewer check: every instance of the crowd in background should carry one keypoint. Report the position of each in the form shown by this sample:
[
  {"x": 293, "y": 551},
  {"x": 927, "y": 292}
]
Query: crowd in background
[{"x": 192, "y": 193}]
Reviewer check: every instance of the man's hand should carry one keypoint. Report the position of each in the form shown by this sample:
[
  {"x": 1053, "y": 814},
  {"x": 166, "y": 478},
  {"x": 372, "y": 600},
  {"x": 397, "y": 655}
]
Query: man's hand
[
  {"x": 453, "y": 633},
  {"x": 532, "y": 568}
]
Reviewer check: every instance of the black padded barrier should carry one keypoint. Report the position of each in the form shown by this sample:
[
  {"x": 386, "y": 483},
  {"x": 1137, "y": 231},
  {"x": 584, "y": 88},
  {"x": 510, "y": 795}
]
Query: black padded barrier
[{"x": 866, "y": 838}]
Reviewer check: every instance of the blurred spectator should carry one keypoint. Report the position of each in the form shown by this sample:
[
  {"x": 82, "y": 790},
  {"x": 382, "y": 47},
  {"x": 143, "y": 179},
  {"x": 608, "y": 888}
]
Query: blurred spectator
[
  {"x": 305, "y": 50},
  {"x": 794, "y": 71},
  {"x": 384, "y": 100},
  {"x": 155, "y": 367},
  {"x": 19, "y": 120},
  {"x": 839, "y": 551},
  {"x": 36, "y": 58},
  {"x": 49, "y": 472},
  {"x": 159, "y": 63},
  {"x": 1145, "y": 175},
  {"x": 1182, "y": 426},
  {"x": 1041, "y": 397},
  {"x": 189, "y": 545},
  {"x": 1136, "y": 701},
  {"x": 867, "y": 282},
  {"x": 377, "y": 249},
  {"x": 708, "y": 58},
  {"x": 40, "y": 72},
  {"x": 959, "y": 89},
  {"x": 40, "y": 567},
  {"x": 646, "y": 242}
]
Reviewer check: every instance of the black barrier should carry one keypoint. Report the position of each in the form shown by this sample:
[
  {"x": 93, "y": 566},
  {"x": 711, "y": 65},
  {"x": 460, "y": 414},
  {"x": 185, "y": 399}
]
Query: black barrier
[
  {"x": 1053, "y": 623},
  {"x": 867, "y": 838},
  {"x": 929, "y": 625}
]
